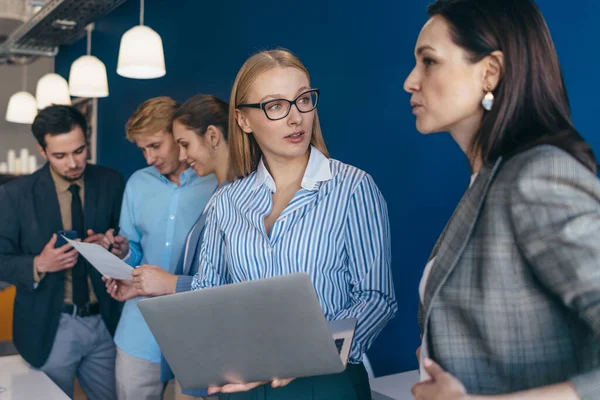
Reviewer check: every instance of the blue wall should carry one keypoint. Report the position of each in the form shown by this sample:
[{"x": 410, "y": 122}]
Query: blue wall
[{"x": 358, "y": 54}]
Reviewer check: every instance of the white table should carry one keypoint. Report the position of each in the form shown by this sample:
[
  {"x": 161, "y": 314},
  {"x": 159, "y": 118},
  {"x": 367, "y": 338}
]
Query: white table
[
  {"x": 393, "y": 387},
  {"x": 22, "y": 382}
]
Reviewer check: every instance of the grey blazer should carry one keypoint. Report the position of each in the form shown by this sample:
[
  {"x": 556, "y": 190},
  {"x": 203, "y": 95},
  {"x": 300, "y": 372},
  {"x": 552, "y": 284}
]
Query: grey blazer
[{"x": 513, "y": 298}]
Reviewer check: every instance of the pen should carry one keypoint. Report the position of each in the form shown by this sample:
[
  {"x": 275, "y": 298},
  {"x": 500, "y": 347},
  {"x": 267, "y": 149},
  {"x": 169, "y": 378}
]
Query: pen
[{"x": 115, "y": 234}]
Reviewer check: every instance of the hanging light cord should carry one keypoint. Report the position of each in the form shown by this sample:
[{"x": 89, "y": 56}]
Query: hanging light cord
[
  {"x": 25, "y": 78},
  {"x": 89, "y": 40},
  {"x": 141, "y": 12}
]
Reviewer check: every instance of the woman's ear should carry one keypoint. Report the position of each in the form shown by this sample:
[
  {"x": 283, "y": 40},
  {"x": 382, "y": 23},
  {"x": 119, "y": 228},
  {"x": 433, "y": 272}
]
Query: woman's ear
[
  {"x": 493, "y": 70},
  {"x": 213, "y": 136},
  {"x": 243, "y": 122}
]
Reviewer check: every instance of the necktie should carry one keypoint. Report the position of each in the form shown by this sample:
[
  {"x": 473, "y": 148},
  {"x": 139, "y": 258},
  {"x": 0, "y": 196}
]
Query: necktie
[{"x": 81, "y": 295}]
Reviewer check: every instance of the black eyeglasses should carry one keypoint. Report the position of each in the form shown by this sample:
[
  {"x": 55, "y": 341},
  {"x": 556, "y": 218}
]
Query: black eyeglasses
[{"x": 280, "y": 108}]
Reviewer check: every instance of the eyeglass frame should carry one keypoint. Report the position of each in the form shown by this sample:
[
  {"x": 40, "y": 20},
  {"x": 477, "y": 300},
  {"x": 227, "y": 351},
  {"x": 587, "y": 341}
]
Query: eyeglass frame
[{"x": 291, "y": 102}]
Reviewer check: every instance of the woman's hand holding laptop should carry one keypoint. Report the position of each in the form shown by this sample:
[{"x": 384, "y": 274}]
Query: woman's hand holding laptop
[{"x": 244, "y": 387}]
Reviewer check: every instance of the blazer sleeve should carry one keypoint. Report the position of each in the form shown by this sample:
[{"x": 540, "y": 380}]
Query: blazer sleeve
[
  {"x": 555, "y": 211},
  {"x": 15, "y": 267},
  {"x": 421, "y": 318}
]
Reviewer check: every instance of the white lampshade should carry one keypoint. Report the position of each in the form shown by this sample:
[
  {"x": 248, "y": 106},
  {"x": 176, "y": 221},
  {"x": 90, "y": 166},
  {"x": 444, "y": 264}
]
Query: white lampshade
[
  {"x": 141, "y": 54},
  {"x": 22, "y": 108},
  {"x": 88, "y": 77},
  {"x": 52, "y": 89}
]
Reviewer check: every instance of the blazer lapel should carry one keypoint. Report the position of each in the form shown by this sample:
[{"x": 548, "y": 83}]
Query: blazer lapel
[
  {"x": 91, "y": 200},
  {"x": 192, "y": 244},
  {"x": 46, "y": 206},
  {"x": 456, "y": 235}
]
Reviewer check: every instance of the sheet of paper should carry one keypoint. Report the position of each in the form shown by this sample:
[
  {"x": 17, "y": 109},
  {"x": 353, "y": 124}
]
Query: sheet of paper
[
  {"x": 104, "y": 261},
  {"x": 423, "y": 375}
]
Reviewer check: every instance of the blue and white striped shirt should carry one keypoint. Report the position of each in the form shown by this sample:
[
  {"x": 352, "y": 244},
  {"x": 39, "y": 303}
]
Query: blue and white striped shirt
[{"x": 336, "y": 229}]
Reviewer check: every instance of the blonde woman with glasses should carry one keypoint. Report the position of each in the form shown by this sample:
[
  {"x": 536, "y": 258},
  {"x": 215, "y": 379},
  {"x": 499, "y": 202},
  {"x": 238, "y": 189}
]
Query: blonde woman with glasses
[{"x": 290, "y": 208}]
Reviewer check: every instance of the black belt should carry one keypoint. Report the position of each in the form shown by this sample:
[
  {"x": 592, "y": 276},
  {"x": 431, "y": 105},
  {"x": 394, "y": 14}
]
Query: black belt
[{"x": 85, "y": 311}]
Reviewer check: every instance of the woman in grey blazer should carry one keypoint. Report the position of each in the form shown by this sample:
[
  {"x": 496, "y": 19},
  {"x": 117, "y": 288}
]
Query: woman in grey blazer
[{"x": 510, "y": 298}]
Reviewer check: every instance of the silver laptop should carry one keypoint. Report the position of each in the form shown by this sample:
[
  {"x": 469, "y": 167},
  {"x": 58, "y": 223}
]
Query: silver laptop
[{"x": 248, "y": 332}]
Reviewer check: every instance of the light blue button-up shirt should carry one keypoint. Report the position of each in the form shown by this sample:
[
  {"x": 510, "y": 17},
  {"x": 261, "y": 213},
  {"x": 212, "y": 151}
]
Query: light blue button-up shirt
[
  {"x": 156, "y": 217},
  {"x": 336, "y": 229}
]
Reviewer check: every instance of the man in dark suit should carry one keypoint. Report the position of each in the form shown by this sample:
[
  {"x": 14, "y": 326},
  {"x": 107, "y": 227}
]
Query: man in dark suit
[{"x": 63, "y": 318}]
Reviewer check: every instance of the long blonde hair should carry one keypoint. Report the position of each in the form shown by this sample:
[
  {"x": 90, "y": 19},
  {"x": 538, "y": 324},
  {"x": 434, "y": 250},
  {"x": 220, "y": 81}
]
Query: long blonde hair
[{"x": 244, "y": 152}]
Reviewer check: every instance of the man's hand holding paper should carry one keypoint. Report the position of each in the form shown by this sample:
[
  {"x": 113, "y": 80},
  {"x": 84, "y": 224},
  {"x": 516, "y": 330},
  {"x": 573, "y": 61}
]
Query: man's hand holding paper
[{"x": 105, "y": 262}]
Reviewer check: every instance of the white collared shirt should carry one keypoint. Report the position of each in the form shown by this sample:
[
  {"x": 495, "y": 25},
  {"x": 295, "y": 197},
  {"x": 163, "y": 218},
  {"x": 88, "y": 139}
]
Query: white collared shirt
[{"x": 317, "y": 170}]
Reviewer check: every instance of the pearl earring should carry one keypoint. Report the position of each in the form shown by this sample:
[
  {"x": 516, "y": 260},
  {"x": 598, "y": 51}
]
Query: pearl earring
[
  {"x": 214, "y": 147},
  {"x": 488, "y": 100}
]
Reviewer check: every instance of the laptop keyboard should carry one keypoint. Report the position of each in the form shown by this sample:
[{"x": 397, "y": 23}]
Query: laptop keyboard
[{"x": 339, "y": 343}]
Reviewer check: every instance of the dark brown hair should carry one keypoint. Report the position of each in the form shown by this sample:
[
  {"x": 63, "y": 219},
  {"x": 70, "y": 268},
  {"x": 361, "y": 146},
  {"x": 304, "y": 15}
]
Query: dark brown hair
[
  {"x": 531, "y": 105},
  {"x": 57, "y": 120},
  {"x": 201, "y": 111}
]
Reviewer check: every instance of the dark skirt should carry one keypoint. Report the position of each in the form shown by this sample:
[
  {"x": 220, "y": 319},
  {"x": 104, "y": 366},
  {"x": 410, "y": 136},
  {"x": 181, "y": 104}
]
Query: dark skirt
[{"x": 352, "y": 384}]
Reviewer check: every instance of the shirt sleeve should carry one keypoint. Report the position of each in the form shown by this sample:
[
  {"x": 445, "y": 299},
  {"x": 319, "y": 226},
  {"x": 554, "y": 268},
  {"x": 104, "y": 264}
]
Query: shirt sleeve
[
  {"x": 129, "y": 227},
  {"x": 367, "y": 235},
  {"x": 212, "y": 268}
]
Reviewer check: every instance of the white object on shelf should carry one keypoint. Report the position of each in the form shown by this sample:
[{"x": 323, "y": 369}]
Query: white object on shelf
[
  {"x": 3, "y": 168},
  {"x": 18, "y": 167},
  {"x": 24, "y": 157},
  {"x": 12, "y": 157},
  {"x": 32, "y": 164}
]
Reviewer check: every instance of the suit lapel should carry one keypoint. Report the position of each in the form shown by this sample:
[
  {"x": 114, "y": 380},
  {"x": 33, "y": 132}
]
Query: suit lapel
[
  {"x": 456, "y": 235},
  {"x": 46, "y": 205},
  {"x": 91, "y": 199}
]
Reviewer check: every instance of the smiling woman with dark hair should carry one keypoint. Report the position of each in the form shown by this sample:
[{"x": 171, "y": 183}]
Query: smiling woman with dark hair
[{"x": 510, "y": 295}]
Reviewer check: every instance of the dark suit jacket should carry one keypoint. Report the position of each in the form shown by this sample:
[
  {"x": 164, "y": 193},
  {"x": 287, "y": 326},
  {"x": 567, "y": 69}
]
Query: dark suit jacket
[{"x": 29, "y": 215}]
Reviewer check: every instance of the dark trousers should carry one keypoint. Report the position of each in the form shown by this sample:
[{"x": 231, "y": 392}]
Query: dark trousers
[{"x": 352, "y": 384}]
